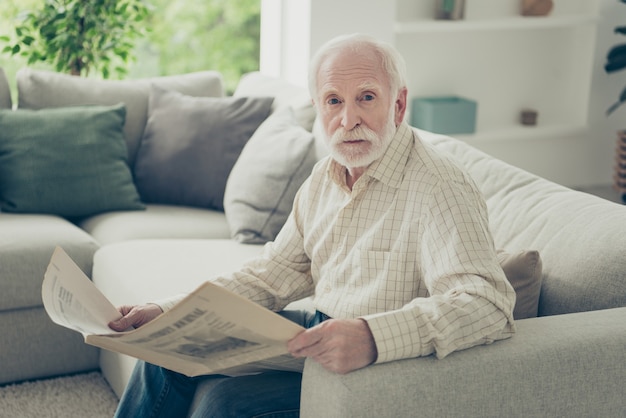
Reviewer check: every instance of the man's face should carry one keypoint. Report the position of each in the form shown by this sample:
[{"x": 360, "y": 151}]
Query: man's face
[{"x": 358, "y": 112}]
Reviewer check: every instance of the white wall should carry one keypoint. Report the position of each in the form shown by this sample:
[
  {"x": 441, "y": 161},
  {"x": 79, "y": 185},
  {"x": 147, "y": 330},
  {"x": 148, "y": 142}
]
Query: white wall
[
  {"x": 285, "y": 39},
  {"x": 579, "y": 159},
  {"x": 605, "y": 89},
  {"x": 297, "y": 28}
]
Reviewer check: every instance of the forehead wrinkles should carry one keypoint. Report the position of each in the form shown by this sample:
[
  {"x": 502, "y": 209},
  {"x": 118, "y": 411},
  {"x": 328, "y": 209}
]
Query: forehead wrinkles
[
  {"x": 335, "y": 80},
  {"x": 351, "y": 69}
]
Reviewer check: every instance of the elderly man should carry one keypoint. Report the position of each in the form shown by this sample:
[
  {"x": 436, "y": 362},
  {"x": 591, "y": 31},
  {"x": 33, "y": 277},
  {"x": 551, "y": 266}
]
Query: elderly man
[{"x": 388, "y": 236}]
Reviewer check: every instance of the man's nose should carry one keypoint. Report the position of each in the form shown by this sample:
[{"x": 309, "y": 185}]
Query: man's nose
[{"x": 351, "y": 117}]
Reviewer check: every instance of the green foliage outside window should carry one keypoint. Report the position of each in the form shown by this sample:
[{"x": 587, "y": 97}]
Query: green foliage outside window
[
  {"x": 177, "y": 36},
  {"x": 77, "y": 36},
  {"x": 196, "y": 35}
]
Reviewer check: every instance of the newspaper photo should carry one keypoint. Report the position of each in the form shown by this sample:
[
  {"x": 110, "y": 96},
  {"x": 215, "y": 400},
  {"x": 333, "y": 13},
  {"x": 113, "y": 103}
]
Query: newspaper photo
[{"x": 211, "y": 331}]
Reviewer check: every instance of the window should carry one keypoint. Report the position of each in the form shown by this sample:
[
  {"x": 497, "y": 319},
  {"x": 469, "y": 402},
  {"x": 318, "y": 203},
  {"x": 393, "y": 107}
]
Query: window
[
  {"x": 197, "y": 35},
  {"x": 185, "y": 36}
]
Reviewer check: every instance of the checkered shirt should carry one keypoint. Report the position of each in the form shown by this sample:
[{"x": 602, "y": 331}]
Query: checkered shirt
[{"x": 408, "y": 249}]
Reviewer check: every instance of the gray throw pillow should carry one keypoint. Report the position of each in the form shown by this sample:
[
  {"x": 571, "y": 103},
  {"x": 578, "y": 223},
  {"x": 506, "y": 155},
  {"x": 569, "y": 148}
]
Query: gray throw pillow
[
  {"x": 264, "y": 181},
  {"x": 524, "y": 271},
  {"x": 190, "y": 144},
  {"x": 70, "y": 162}
]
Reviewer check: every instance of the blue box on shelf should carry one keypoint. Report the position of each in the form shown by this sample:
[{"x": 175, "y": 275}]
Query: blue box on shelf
[{"x": 444, "y": 114}]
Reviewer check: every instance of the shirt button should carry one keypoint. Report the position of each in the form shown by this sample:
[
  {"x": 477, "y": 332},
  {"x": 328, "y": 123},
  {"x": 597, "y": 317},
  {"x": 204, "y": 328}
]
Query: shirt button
[{"x": 327, "y": 289}]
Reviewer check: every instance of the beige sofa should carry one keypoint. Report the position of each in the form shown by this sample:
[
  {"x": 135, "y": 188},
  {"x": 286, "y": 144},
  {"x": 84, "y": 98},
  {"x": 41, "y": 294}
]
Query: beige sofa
[{"x": 569, "y": 361}]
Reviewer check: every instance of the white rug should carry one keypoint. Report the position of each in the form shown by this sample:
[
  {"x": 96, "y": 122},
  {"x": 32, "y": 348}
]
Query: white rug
[{"x": 80, "y": 396}]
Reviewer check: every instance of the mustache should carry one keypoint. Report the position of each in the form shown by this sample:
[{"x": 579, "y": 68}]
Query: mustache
[{"x": 360, "y": 132}]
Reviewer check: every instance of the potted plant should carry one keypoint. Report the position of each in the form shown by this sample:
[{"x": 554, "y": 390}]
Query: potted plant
[
  {"x": 616, "y": 61},
  {"x": 79, "y": 36}
]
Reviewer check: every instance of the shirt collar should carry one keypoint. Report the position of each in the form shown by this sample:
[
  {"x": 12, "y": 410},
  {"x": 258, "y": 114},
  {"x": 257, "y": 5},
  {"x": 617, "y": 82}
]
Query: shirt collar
[{"x": 389, "y": 168}]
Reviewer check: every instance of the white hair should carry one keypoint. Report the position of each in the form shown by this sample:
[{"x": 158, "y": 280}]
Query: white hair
[{"x": 390, "y": 59}]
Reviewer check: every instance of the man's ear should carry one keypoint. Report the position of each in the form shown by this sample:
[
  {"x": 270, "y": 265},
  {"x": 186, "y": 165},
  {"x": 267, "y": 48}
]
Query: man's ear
[{"x": 400, "y": 105}]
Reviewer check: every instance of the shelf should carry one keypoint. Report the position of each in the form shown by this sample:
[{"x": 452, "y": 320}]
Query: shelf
[
  {"x": 527, "y": 133},
  {"x": 509, "y": 23},
  {"x": 507, "y": 62}
]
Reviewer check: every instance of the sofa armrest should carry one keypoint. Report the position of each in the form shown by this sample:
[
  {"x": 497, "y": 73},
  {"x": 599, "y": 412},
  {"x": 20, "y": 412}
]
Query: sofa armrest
[{"x": 567, "y": 365}]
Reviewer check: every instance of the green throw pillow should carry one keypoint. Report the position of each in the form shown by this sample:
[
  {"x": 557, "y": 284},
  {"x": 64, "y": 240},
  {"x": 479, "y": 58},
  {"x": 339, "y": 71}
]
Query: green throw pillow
[{"x": 69, "y": 161}]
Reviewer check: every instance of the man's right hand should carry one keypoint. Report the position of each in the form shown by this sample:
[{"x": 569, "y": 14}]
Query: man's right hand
[{"x": 135, "y": 316}]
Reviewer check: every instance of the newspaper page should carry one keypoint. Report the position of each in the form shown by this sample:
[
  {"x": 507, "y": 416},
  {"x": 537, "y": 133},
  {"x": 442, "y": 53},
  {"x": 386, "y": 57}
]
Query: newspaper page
[{"x": 211, "y": 331}]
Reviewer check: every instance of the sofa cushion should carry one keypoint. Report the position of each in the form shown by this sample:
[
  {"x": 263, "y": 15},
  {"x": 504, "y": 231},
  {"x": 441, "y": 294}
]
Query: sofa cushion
[
  {"x": 40, "y": 89},
  {"x": 523, "y": 271},
  {"x": 190, "y": 144},
  {"x": 580, "y": 271},
  {"x": 141, "y": 271},
  {"x": 27, "y": 243},
  {"x": 32, "y": 346},
  {"x": 5, "y": 91},
  {"x": 127, "y": 271},
  {"x": 157, "y": 221},
  {"x": 264, "y": 181},
  {"x": 68, "y": 161},
  {"x": 285, "y": 95}
]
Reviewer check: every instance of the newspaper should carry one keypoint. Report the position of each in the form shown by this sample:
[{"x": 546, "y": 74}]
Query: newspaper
[{"x": 211, "y": 331}]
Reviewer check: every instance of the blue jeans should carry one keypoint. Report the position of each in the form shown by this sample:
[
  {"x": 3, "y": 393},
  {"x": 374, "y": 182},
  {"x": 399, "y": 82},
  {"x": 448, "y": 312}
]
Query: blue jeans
[{"x": 157, "y": 392}]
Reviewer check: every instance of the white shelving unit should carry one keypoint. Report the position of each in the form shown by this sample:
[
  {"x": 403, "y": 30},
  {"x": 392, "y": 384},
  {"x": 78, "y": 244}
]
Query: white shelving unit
[{"x": 543, "y": 63}]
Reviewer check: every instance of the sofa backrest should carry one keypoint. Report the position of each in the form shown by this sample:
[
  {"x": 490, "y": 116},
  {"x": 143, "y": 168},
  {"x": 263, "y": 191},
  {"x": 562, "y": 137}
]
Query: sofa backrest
[
  {"x": 581, "y": 238},
  {"x": 285, "y": 94},
  {"x": 42, "y": 89},
  {"x": 5, "y": 91}
]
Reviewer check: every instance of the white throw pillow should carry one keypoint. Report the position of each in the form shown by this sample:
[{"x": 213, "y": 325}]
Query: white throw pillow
[{"x": 263, "y": 183}]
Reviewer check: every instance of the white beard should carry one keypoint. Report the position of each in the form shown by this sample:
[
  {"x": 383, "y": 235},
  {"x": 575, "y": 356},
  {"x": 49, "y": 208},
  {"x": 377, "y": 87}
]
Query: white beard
[{"x": 364, "y": 153}]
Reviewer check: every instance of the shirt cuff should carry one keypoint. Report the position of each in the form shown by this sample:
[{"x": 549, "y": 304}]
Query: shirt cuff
[{"x": 395, "y": 336}]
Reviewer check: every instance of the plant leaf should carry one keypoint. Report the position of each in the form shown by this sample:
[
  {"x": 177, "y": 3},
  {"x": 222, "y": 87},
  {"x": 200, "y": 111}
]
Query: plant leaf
[
  {"x": 611, "y": 67},
  {"x": 616, "y": 51},
  {"x": 622, "y": 96},
  {"x": 617, "y": 104}
]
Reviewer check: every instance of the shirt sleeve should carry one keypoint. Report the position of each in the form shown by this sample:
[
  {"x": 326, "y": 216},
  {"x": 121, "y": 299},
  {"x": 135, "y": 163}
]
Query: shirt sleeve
[
  {"x": 281, "y": 274},
  {"x": 470, "y": 301}
]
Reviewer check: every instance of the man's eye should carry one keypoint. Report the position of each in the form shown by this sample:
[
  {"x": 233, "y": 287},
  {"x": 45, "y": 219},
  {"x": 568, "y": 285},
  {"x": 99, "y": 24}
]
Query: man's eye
[
  {"x": 368, "y": 97},
  {"x": 333, "y": 101}
]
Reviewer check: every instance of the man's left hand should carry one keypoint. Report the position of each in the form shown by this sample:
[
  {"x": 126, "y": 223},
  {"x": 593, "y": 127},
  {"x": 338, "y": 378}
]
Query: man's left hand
[{"x": 339, "y": 345}]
